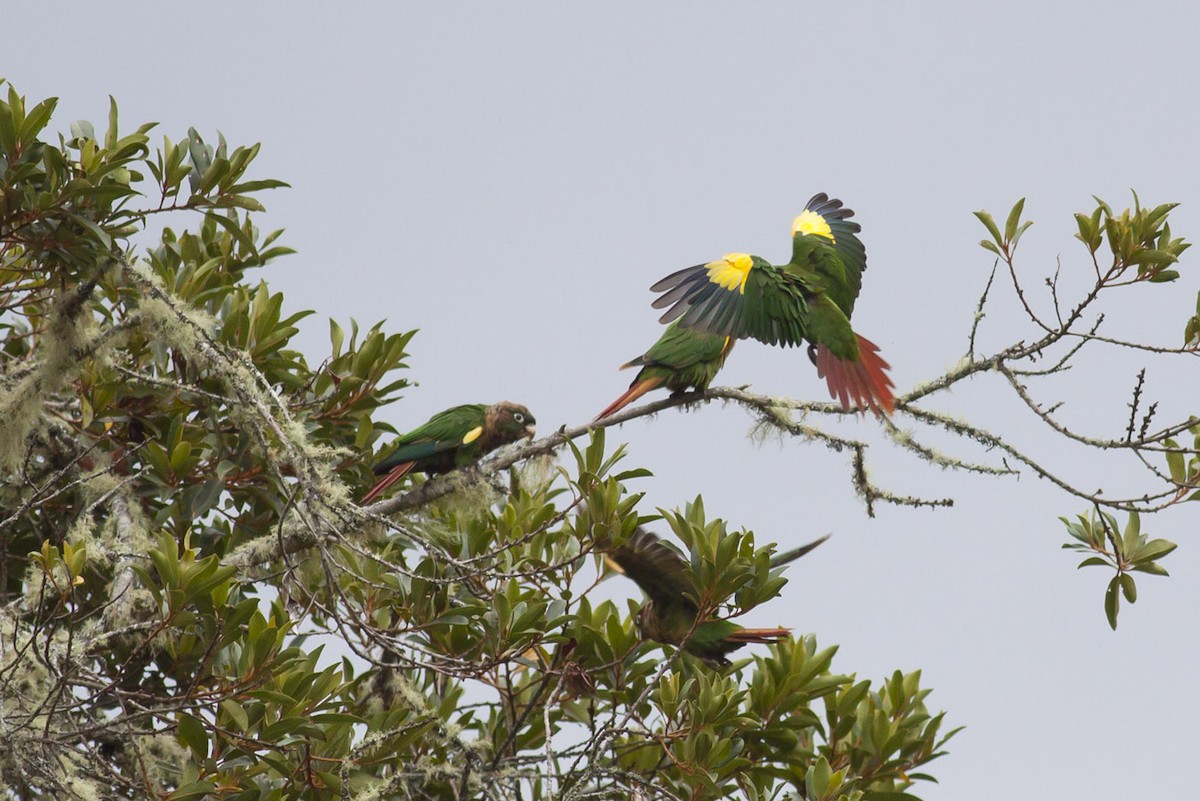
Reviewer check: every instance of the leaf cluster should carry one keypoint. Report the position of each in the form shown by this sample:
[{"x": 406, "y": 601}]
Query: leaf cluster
[
  {"x": 1142, "y": 249},
  {"x": 1123, "y": 552}
]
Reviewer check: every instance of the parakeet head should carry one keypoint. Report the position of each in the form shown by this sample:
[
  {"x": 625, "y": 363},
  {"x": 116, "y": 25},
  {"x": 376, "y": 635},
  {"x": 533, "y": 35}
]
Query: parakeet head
[
  {"x": 511, "y": 421},
  {"x": 648, "y": 623}
]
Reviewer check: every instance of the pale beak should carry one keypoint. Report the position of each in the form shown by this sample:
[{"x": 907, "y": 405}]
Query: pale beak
[{"x": 530, "y": 431}]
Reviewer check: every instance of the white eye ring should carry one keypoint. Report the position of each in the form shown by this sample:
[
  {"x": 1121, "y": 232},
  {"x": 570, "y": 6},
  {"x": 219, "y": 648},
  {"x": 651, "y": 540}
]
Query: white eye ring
[{"x": 520, "y": 418}]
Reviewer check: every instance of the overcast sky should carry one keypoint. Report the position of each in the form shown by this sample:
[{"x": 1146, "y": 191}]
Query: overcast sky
[{"x": 511, "y": 179}]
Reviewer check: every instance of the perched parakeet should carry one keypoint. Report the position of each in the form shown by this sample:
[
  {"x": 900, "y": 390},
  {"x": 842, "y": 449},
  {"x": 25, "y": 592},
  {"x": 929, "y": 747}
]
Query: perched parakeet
[
  {"x": 679, "y": 360},
  {"x": 668, "y": 614},
  {"x": 454, "y": 438},
  {"x": 809, "y": 299}
]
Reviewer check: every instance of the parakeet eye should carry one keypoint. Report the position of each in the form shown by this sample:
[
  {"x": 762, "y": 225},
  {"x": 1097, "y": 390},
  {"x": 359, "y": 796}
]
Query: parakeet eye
[{"x": 520, "y": 418}]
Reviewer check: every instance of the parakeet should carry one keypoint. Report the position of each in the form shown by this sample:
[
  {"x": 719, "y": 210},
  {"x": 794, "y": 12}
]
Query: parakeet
[
  {"x": 808, "y": 299},
  {"x": 679, "y": 360},
  {"x": 668, "y": 614},
  {"x": 454, "y": 438}
]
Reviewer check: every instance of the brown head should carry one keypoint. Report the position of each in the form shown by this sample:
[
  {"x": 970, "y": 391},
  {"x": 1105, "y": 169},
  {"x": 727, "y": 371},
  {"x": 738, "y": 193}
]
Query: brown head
[
  {"x": 507, "y": 422},
  {"x": 650, "y": 626}
]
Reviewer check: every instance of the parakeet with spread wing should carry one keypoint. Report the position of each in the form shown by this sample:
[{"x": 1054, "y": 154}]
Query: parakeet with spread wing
[
  {"x": 453, "y": 438},
  {"x": 679, "y": 360},
  {"x": 669, "y": 614},
  {"x": 809, "y": 299}
]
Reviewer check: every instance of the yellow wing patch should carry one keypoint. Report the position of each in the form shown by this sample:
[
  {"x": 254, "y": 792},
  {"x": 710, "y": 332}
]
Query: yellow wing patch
[
  {"x": 472, "y": 435},
  {"x": 731, "y": 272},
  {"x": 813, "y": 224}
]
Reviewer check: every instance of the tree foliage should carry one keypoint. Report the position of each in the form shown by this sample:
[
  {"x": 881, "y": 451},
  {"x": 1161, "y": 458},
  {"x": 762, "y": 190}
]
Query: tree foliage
[{"x": 193, "y": 606}]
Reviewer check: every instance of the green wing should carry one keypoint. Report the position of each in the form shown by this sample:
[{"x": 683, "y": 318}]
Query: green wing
[
  {"x": 658, "y": 569},
  {"x": 679, "y": 348},
  {"x": 840, "y": 276},
  {"x": 845, "y": 233},
  {"x": 443, "y": 432},
  {"x": 769, "y": 305}
]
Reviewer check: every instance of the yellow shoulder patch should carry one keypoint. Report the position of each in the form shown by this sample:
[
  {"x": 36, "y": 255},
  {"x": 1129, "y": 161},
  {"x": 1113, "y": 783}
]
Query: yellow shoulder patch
[
  {"x": 612, "y": 565},
  {"x": 472, "y": 435},
  {"x": 813, "y": 224},
  {"x": 731, "y": 272}
]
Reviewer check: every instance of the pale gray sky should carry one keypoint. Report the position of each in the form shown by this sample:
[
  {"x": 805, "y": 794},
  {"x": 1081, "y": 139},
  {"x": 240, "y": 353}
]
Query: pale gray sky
[{"x": 510, "y": 180}]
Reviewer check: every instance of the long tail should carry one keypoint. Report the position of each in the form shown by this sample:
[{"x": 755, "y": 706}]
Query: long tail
[
  {"x": 790, "y": 556},
  {"x": 759, "y": 635},
  {"x": 395, "y": 474},
  {"x": 862, "y": 384},
  {"x": 636, "y": 390}
]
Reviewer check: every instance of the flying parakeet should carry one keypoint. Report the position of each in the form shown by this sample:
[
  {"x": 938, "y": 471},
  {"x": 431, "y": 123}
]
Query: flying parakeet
[
  {"x": 668, "y": 614},
  {"x": 809, "y": 299},
  {"x": 454, "y": 438},
  {"x": 679, "y": 360}
]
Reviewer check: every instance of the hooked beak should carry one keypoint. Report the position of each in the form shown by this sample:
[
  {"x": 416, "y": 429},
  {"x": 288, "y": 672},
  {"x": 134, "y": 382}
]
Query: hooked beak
[{"x": 530, "y": 430}]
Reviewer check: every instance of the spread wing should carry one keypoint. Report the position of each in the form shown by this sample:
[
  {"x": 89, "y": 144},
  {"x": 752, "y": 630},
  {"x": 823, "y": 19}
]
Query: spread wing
[
  {"x": 845, "y": 243},
  {"x": 657, "y": 568},
  {"x": 737, "y": 298},
  {"x": 844, "y": 232}
]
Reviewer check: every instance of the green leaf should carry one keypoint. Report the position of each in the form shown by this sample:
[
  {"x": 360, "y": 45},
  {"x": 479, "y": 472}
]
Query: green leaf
[
  {"x": 1133, "y": 530},
  {"x": 215, "y": 172},
  {"x": 1152, "y": 550},
  {"x": 193, "y": 791},
  {"x": 232, "y": 226},
  {"x": 198, "y": 151},
  {"x": 254, "y": 186},
  {"x": 82, "y": 129},
  {"x": 241, "y": 202},
  {"x": 1175, "y": 462},
  {"x": 36, "y": 119},
  {"x": 236, "y": 713},
  {"x": 1112, "y": 603},
  {"x": 8, "y": 131},
  {"x": 192, "y": 734},
  {"x": 1152, "y": 257},
  {"x": 1020, "y": 232},
  {"x": 986, "y": 218},
  {"x": 1088, "y": 233},
  {"x": 1014, "y": 219},
  {"x": 180, "y": 455},
  {"x": 336, "y": 337},
  {"x": 817, "y": 780},
  {"x": 1129, "y": 588},
  {"x": 110, "y": 136}
]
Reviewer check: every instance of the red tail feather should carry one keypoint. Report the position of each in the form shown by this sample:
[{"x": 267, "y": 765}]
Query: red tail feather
[
  {"x": 395, "y": 474},
  {"x": 636, "y": 390},
  {"x": 759, "y": 635},
  {"x": 862, "y": 384}
]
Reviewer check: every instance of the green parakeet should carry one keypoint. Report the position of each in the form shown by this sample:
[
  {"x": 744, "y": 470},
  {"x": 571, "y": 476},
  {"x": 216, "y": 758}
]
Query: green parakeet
[
  {"x": 451, "y": 439},
  {"x": 679, "y": 360},
  {"x": 669, "y": 614},
  {"x": 809, "y": 299}
]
